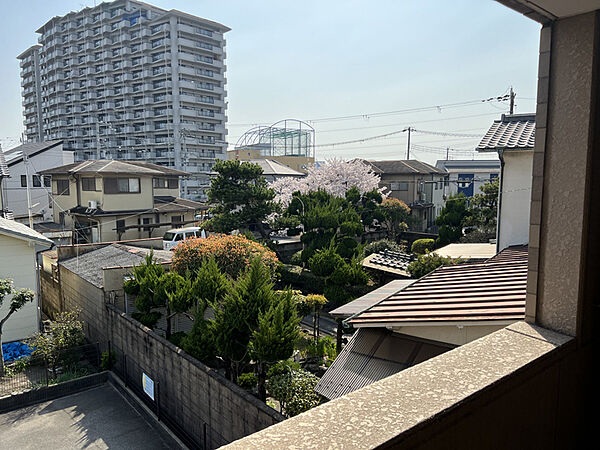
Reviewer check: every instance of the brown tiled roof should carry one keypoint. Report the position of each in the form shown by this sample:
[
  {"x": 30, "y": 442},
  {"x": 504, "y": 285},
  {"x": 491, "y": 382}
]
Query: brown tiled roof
[
  {"x": 490, "y": 291},
  {"x": 399, "y": 166},
  {"x": 516, "y": 131},
  {"x": 111, "y": 166},
  {"x": 371, "y": 355}
]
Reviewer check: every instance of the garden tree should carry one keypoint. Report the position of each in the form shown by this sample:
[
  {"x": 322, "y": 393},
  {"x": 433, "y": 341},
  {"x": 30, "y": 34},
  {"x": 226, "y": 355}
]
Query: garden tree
[
  {"x": 19, "y": 299},
  {"x": 240, "y": 197},
  {"x": 483, "y": 209},
  {"x": 316, "y": 303},
  {"x": 395, "y": 217},
  {"x": 275, "y": 336},
  {"x": 295, "y": 391},
  {"x": 422, "y": 246},
  {"x": 428, "y": 263},
  {"x": 65, "y": 332},
  {"x": 232, "y": 254},
  {"x": 451, "y": 219},
  {"x": 335, "y": 177},
  {"x": 143, "y": 284},
  {"x": 237, "y": 317}
]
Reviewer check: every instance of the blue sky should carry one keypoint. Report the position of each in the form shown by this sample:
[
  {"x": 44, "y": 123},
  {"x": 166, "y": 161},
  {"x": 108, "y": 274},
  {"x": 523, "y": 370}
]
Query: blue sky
[{"x": 320, "y": 59}]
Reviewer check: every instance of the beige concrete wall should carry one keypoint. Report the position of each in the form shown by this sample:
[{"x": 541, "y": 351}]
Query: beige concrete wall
[
  {"x": 516, "y": 198},
  {"x": 17, "y": 261},
  {"x": 451, "y": 334},
  {"x": 122, "y": 202},
  {"x": 166, "y": 192},
  {"x": 63, "y": 202}
]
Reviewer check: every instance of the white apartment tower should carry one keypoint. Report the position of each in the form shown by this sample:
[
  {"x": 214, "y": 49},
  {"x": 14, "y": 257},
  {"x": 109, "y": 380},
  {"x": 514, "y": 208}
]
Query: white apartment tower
[{"x": 126, "y": 80}]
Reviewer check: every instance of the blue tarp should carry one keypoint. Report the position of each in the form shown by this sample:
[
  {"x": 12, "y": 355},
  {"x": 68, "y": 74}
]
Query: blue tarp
[{"x": 15, "y": 350}]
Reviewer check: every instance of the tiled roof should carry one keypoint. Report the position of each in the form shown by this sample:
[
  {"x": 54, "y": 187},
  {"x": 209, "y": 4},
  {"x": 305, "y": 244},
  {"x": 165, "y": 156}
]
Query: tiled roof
[
  {"x": 490, "y": 291},
  {"x": 89, "y": 265},
  {"x": 168, "y": 204},
  {"x": 516, "y": 131},
  {"x": 22, "y": 231},
  {"x": 275, "y": 168},
  {"x": 111, "y": 166},
  {"x": 371, "y": 355},
  {"x": 15, "y": 154},
  {"x": 370, "y": 299},
  {"x": 403, "y": 167},
  {"x": 468, "y": 164},
  {"x": 3, "y": 167},
  {"x": 389, "y": 261}
]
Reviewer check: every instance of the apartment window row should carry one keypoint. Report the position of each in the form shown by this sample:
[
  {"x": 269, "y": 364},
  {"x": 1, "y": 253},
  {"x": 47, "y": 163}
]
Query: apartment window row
[{"x": 165, "y": 183}]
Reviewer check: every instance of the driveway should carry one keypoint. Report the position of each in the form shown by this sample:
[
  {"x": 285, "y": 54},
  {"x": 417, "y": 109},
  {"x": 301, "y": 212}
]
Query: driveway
[{"x": 99, "y": 418}]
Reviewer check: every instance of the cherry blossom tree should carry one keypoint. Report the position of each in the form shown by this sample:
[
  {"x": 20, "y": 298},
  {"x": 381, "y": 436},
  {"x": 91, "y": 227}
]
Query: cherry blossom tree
[{"x": 335, "y": 177}]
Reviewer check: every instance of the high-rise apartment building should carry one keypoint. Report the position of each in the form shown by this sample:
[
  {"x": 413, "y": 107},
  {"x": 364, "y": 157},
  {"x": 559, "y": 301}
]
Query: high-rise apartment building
[{"x": 127, "y": 80}]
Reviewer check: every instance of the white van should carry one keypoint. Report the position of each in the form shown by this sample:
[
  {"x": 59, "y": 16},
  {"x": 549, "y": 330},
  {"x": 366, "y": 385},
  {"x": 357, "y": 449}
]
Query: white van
[{"x": 176, "y": 235}]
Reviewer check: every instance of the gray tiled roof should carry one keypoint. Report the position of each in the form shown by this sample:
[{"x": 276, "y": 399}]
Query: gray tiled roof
[
  {"x": 89, "y": 265},
  {"x": 399, "y": 166},
  {"x": 111, "y": 166},
  {"x": 21, "y": 231},
  {"x": 516, "y": 131}
]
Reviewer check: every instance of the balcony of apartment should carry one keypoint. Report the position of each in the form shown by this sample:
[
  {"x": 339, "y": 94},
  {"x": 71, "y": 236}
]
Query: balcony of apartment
[{"x": 533, "y": 383}]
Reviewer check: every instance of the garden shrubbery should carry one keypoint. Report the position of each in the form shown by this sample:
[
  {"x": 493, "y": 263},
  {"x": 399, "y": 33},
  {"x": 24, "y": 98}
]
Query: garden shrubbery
[{"x": 422, "y": 246}]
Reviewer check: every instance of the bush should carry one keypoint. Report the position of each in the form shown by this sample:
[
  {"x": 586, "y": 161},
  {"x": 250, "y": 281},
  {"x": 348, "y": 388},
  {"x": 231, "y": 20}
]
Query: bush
[
  {"x": 381, "y": 245},
  {"x": 200, "y": 342},
  {"x": 176, "y": 338},
  {"x": 428, "y": 263},
  {"x": 300, "y": 278},
  {"x": 324, "y": 262},
  {"x": 281, "y": 367},
  {"x": 324, "y": 347},
  {"x": 108, "y": 360},
  {"x": 247, "y": 380},
  {"x": 295, "y": 391},
  {"x": 422, "y": 246},
  {"x": 337, "y": 295},
  {"x": 232, "y": 254},
  {"x": 296, "y": 258}
]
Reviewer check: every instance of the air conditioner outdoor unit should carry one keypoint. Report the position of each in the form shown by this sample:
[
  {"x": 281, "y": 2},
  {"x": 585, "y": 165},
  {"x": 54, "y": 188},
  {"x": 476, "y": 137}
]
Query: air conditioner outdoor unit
[{"x": 93, "y": 204}]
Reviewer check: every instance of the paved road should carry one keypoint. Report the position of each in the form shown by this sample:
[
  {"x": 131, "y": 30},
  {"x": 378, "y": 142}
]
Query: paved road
[
  {"x": 328, "y": 324},
  {"x": 99, "y": 418}
]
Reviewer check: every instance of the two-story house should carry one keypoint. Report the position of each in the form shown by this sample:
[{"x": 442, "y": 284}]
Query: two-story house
[
  {"x": 467, "y": 176},
  {"x": 109, "y": 200},
  {"x": 25, "y": 163},
  {"x": 416, "y": 183}
]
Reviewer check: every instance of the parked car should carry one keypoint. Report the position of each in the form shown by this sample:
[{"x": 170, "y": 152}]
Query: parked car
[{"x": 176, "y": 235}]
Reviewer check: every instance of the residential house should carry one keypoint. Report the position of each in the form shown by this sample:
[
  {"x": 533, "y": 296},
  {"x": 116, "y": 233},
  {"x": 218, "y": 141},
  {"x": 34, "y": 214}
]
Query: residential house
[
  {"x": 451, "y": 306},
  {"x": 513, "y": 138},
  {"x": 4, "y": 174},
  {"x": 19, "y": 248},
  {"x": 108, "y": 200},
  {"x": 467, "y": 176},
  {"x": 418, "y": 184},
  {"x": 273, "y": 170},
  {"x": 26, "y": 162}
]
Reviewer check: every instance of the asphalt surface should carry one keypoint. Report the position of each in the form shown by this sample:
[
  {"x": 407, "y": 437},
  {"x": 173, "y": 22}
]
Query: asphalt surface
[{"x": 99, "y": 418}]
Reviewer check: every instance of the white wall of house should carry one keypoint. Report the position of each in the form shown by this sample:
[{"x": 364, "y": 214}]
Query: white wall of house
[
  {"x": 515, "y": 198},
  {"x": 16, "y": 198},
  {"x": 17, "y": 261},
  {"x": 482, "y": 176}
]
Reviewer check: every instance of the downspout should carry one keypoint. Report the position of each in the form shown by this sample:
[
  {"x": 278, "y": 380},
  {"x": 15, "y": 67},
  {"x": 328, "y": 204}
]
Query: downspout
[
  {"x": 498, "y": 221},
  {"x": 39, "y": 283}
]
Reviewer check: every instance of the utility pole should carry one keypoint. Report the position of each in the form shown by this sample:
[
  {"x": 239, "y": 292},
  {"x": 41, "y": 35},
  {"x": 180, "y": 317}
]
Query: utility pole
[
  {"x": 97, "y": 139},
  {"x": 447, "y": 153},
  {"x": 409, "y": 129},
  {"x": 512, "y": 100}
]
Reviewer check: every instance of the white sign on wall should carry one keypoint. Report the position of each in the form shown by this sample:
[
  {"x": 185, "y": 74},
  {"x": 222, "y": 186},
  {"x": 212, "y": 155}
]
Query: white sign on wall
[{"x": 148, "y": 386}]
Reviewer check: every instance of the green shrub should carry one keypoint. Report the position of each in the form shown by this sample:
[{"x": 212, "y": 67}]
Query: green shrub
[
  {"x": 300, "y": 278},
  {"x": 347, "y": 247},
  {"x": 324, "y": 347},
  {"x": 71, "y": 373},
  {"x": 295, "y": 391},
  {"x": 324, "y": 262},
  {"x": 381, "y": 245},
  {"x": 422, "y": 246},
  {"x": 200, "y": 342},
  {"x": 281, "y": 367},
  {"x": 296, "y": 258},
  {"x": 247, "y": 380},
  {"x": 337, "y": 295},
  {"x": 176, "y": 338},
  {"x": 428, "y": 263},
  {"x": 108, "y": 360}
]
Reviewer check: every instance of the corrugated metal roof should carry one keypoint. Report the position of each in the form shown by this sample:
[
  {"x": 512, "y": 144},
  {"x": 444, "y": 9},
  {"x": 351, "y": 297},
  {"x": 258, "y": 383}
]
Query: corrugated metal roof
[
  {"x": 368, "y": 300},
  {"x": 490, "y": 291},
  {"x": 111, "y": 166},
  {"x": 516, "y": 131},
  {"x": 371, "y": 355},
  {"x": 89, "y": 265}
]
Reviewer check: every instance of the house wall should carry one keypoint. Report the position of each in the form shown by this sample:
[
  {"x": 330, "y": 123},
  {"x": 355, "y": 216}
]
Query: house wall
[
  {"x": 63, "y": 202},
  {"x": 450, "y": 334},
  {"x": 17, "y": 261},
  {"x": 515, "y": 198},
  {"x": 17, "y": 195}
]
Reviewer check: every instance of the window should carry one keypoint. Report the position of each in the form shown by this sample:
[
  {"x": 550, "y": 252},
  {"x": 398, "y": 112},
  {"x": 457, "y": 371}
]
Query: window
[
  {"x": 176, "y": 220},
  {"x": 62, "y": 187},
  {"x": 23, "y": 181},
  {"x": 399, "y": 186},
  {"x": 166, "y": 183},
  {"x": 88, "y": 184},
  {"x": 47, "y": 182},
  {"x": 147, "y": 221},
  {"x": 121, "y": 185},
  {"x": 121, "y": 226},
  {"x": 37, "y": 181}
]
